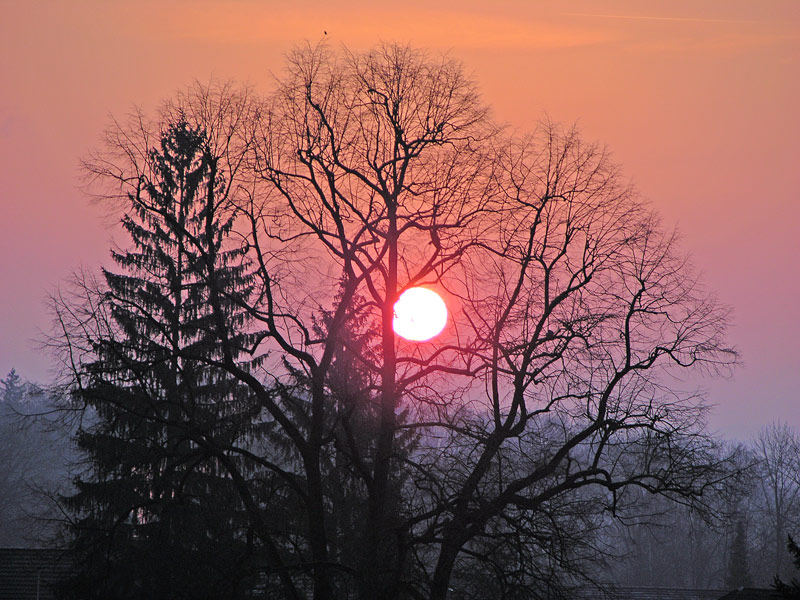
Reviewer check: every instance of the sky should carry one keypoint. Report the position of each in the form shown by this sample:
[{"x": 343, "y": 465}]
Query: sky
[{"x": 697, "y": 100}]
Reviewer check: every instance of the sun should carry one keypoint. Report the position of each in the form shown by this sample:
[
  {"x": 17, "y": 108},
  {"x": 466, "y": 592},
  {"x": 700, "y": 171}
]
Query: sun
[{"x": 419, "y": 314}]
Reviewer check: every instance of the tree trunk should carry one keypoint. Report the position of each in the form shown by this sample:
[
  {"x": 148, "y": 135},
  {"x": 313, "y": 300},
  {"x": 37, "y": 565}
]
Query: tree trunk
[
  {"x": 378, "y": 573},
  {"x": 444, "y": 569}
]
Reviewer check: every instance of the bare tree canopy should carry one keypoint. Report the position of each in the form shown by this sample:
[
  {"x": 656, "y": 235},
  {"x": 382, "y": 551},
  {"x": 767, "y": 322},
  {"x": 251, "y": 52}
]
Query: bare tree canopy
[
  {"x": 484, "y": 457},
  {"x": 777, "y": 448}
]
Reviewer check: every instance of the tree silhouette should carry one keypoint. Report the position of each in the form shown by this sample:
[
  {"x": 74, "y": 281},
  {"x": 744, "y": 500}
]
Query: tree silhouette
[
  {"x": 778, "y": 451},
  {"x": 545, "y": 400},
  {"x": 738, "y": 574},
  {"x": 790, "y": 590},
  {"x": 156, "y": 515},
  {"x": 12, "y": 387}
]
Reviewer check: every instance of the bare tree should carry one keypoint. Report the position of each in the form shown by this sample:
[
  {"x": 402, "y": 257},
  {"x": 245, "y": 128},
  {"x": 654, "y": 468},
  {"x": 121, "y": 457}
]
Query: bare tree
[
  {"x": 777, "y": 449},
  {"x": 556, "y": 385}
]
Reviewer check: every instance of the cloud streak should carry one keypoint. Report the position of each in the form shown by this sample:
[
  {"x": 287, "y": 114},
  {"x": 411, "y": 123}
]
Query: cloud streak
[{"x": 660, "y": 18}]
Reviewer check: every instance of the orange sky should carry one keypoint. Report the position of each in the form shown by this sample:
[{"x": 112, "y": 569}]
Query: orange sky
[{"x": 697, "y": 99}]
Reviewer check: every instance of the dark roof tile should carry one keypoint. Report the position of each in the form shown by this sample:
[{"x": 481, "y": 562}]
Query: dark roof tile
[
  {"x": 28, "y": 574},
  {"x": 751, "y": 594},
  {"x": 651, "y": 593}
]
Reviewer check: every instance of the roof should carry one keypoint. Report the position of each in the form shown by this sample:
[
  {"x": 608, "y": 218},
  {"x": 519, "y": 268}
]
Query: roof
[
  {"x": 751, "y": 594},
  {"x": 29, "y": 573},
  {"x": 651, "y": 593}
]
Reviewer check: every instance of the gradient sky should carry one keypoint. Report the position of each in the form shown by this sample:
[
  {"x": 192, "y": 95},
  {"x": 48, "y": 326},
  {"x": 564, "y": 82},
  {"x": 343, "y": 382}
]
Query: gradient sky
[{"x": 698, "y": 100}]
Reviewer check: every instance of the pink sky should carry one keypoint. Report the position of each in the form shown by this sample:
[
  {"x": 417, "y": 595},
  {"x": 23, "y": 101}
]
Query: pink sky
[{"x": 697, "y": 99}]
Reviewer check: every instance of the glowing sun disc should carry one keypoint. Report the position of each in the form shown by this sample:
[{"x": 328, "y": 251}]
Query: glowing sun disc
[{"x": 419, "y": 314}]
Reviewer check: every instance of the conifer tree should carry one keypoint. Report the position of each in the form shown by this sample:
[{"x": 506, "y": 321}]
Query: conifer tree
[
  {"x": 12, "y": 388},
  {"x": 354, "y": 423},
  {"x": 157, "y": 516},
  {"x": 790, "y": 591},
  {"x": 738, "y": 570}
]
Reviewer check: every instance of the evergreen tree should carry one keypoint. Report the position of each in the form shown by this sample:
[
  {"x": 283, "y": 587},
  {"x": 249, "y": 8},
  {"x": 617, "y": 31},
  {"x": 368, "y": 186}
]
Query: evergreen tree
[
  {"x": 738, "y": 570},
  {"x": 12, "y": 388},
  {"x": 354, "y": 424},
  {"x": 351, "y": 423},
  {"x": 791, "y": 591},
  {"x": 156, "y": 514}
]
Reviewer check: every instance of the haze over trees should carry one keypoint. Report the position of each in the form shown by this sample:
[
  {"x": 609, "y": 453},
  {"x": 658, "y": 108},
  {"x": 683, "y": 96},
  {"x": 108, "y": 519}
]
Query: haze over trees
[
  {"x": 35, "y": 457},
  {"x": 777, "y": 450},
  {"x": 250, "y": 387},
  {"x": 732, "y": 544}
]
